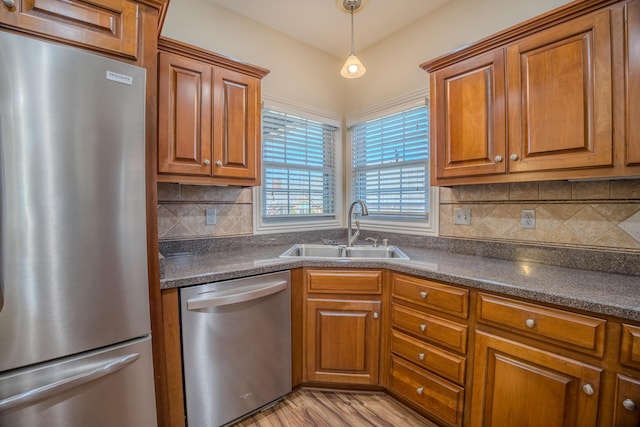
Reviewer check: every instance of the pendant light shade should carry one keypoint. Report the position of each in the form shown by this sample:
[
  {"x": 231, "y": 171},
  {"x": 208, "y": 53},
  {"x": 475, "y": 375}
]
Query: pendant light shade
[{"x": 353, "y": 67}]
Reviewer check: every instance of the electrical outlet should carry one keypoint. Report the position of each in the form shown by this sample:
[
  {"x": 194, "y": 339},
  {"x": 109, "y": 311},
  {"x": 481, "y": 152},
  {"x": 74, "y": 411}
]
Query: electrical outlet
[
  {"x": 528, "y": 218},
  {"x": 462, "y": 216},
  {"x": 211, "y": 216}
]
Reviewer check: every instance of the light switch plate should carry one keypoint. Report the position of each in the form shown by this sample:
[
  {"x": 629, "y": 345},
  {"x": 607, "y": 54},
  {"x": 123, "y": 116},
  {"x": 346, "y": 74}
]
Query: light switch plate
[
  {"x": 462, "y": 216},
  {"x": 211, "y": 216}
]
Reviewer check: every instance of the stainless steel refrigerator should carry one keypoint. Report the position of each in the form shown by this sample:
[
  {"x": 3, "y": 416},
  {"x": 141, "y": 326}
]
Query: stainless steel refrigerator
[{"x": 74, "y": 312}]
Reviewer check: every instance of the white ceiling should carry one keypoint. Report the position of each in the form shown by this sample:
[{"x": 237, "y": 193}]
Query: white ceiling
[{"x": 321, "y": 24}]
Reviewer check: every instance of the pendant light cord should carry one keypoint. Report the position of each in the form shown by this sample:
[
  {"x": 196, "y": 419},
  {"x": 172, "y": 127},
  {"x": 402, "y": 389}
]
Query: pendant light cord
[{"x": 352, "y": 45}]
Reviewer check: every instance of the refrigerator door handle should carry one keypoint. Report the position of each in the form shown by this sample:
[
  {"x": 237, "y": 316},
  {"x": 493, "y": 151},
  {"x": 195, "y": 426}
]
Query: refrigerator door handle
[
  {"x": 240, "y": 294},
  {"x": 43, "y": 392}
]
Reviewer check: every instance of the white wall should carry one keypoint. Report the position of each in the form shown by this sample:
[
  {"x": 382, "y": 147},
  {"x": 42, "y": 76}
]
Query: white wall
[
  {"x": 298, "y": 71},
  {"x": 306, "y": 75},
  {"x": 393, "y": 64}
]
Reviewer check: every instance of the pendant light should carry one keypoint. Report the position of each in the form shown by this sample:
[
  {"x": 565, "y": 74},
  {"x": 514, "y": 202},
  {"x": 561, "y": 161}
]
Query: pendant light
[{"x": 352, "y": 68}]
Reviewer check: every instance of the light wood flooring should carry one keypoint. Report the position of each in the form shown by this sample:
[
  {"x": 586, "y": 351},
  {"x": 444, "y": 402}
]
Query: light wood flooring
[{"x": 319, "y": 408}]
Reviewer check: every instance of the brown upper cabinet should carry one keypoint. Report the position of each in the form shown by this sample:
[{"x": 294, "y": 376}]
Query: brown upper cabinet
[
  {"x": 106, "y": 25},
  {"x": 542, "y": 100},
  {"x": 208, "y": 116}
]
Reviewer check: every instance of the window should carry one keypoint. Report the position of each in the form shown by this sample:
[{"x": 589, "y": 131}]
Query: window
[
  {"x": 390, "y": 164},
  {"x": 299, "y": 171}
]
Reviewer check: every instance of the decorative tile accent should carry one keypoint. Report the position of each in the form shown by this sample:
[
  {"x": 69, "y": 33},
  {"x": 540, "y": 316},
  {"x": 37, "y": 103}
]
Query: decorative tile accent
[
  {"x": 523, "y": 191},
  {"x": 590, "y": 190},
  {"x": 496, "y": 192},
  {"x": 554, "y": 190},
  {"x": 632, "y": 226}
]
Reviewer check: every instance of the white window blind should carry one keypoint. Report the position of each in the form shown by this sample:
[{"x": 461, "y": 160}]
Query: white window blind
[
  {"x": 299, "y": 162},
  {"x": 390, "y": 163}
]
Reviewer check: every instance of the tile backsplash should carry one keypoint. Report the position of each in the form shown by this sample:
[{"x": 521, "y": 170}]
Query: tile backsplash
[
  {"x": 584, "y": 214},
  {"x": 182, "y": 211},
  {"x": 588, "y": 214}
]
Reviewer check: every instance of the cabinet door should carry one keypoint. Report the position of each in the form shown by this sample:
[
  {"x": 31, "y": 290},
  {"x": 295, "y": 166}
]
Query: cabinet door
[
  {"x": 108, "y": 25},
  {"x": 468, "y": 127},
  {"x": 236, "y": 125},
  {"x": 342, "y": 341},
  {"x": 518, "y": 385},
  {"x": 632, "y": 157},
  {"x": 626, "y": 407},
  {"x": 560, "y": 97},
  {"x": 184, "y": 116}
]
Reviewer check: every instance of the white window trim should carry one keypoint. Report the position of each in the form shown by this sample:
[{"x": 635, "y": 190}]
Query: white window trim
[
  {"x": 302, "y": 224},
  {"x": 427, "y": 227}
]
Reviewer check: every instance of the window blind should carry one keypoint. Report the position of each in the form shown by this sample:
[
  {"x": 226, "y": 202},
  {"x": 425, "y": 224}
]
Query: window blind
[
  {"x": 390, "y": 163},
  {"x": 299, "y": 162}
]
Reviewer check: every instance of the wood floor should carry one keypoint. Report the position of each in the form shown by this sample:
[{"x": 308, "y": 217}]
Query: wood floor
[{"x": 318, "y": 408}]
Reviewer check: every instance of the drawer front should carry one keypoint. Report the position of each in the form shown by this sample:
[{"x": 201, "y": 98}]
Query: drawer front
[
  {"x": 436, "y": 296},
  {"x": 443, "y": 363},
  {"x": 430, "y": 328},
  {"x": 626, "y": 408},
  {"x": 563, "y": 328},
  {"x": 344, "y": 281},
  {"x": 630, "y": 346},
  {"x": 434, "y": 395}
]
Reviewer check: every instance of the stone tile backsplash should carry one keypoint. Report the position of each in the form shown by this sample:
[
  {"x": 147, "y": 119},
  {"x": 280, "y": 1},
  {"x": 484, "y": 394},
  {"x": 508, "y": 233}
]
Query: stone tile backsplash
[
  {"x": 597, "y": 214},
  {"x": 584, "y": 214},
  {"x": 182, "y": 211}
]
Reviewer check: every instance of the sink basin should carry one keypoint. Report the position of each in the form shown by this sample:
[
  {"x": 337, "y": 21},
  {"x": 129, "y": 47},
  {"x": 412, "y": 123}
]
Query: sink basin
[{"x": 341, "y": 252}]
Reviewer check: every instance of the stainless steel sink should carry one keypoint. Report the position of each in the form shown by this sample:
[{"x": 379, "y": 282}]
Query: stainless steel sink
[{"x": 341, "y": 252}]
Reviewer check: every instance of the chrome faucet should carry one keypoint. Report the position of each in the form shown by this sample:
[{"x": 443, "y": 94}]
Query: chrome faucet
[{"x": 352, "y": 237}]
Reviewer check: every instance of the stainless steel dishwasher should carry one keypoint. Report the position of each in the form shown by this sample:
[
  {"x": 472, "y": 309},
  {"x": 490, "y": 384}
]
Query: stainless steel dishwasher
[{"x": 236, "y": 342}]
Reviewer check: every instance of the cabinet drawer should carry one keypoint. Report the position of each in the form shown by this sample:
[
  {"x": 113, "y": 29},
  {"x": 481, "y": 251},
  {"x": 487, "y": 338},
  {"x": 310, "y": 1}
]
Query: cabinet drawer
[
  {"x": 427, "y": 356},
  {"x": 436, "y": 296},
  {"x": 626, "y": 408},
  {"x": 630, "y": 346},
  {"x": 435, "y": 396},
  {"x": 575, "y": 331},
  {"x": 431, "y": 328},
  {"x": 344, "y": 281}
]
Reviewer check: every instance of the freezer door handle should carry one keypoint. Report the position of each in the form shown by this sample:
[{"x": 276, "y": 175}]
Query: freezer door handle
[
  {"x": 43, "y": 392},
  {"x": 237, "y": 295}
]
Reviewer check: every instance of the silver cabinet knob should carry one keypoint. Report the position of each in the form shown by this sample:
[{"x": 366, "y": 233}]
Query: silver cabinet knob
[
  {"x": 423, "y": 327},
  {"x": 629, "y": 405},
  {"x": 421, "y": 356},
  {"x": 514, "y": 157},
  {"x": 423, "y": 294},
  {"x": 498, "y": 159},
  {"x": 420, "y": 390},
  {"x": 530, "y": 323},
  {"x": 588, "y": 389},
  {"x": 376, "y": 315},
  {"x": 219, "y": 163},
  {"x": 206, "y": 162},
  {"x": 11, "y": 4}
]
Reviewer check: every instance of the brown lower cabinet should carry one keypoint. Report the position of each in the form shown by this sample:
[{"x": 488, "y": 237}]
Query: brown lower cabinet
[
  {"x": 459, "y": 356},
  {"x": 342, "y": 326},
  {"x": 520, "y": 385}
]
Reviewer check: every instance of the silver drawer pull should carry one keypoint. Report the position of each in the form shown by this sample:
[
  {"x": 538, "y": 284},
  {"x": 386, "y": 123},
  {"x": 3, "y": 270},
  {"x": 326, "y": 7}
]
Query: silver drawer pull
[
  {"x": 588, "y": 389},
  {"x": 514, "y": 157},
  {"x": 423, "y": 294},
  {"x": 629, "y": 405},
  {"x": 420, "y": 390},
  {"x": 219, "y": 163},
  {"x": 530, "y": 323},
  {"x": 375, "y": 315},
  {"x": 421, "y": 356},
  {"x": 206, "y": 162},
  {"x": 423, "y": 327},
  {"x": 498, "y": 159}
]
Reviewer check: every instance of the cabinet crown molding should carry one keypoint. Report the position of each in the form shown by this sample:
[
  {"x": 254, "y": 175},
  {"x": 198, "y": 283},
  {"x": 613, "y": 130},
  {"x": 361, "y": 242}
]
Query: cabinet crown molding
[{"x": 166, "y": 44}]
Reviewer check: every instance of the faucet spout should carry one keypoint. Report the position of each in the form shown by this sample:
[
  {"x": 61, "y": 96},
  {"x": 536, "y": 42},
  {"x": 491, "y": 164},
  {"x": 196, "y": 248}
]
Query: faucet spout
[{"x": 351, "y": 236}]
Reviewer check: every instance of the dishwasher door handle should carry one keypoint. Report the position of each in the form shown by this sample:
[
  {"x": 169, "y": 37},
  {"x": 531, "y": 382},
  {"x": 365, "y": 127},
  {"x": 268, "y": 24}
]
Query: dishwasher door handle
[{"x": 253, "y": 292}]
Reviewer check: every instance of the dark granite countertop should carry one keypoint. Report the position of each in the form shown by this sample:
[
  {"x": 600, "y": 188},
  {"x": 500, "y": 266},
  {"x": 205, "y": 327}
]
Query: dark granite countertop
[{"x": 611, "y": 294}]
